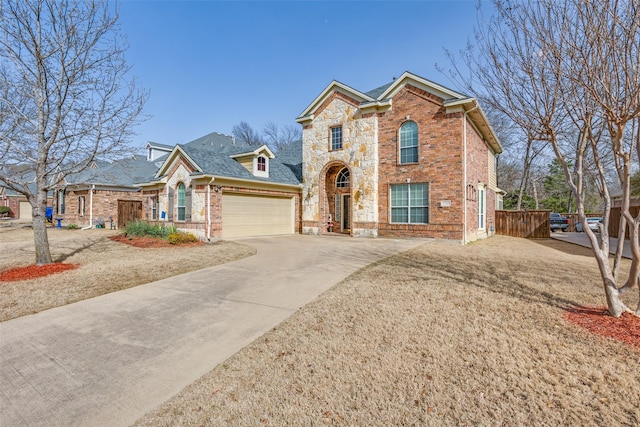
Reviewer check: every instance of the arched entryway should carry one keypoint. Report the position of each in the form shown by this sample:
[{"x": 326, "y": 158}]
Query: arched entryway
[{"x": 337, "y": 198}]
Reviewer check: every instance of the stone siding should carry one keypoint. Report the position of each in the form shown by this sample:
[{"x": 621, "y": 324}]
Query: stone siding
[{"x": 359, "y": 152}]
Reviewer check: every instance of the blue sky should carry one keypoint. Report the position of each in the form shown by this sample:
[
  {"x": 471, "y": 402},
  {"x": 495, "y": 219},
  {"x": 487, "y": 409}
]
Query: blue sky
[{"x": 210, "y": 64}]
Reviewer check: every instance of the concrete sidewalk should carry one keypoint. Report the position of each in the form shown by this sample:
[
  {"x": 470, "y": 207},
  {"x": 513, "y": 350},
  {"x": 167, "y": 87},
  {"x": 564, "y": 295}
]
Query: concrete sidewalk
[
  {"x": 583, "y": 240},
  {"x": 109, "y": 360}
]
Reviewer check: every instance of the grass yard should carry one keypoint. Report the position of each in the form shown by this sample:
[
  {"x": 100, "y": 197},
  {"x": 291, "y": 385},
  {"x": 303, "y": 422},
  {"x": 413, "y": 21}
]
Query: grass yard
[{"x": 441, "y": 335}]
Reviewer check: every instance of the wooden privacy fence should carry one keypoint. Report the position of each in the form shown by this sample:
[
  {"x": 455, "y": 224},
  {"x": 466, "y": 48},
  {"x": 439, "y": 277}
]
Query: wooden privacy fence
[
  {"x": 614, "y": 220},
  {"x": 527, "y": 224}
]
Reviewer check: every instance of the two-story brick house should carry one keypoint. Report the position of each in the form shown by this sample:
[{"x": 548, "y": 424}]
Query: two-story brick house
[{"x": 410, "y": 158}]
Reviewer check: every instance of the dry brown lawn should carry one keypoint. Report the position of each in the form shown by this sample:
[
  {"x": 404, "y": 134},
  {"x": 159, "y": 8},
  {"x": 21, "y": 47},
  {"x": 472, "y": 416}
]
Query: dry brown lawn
[
  {"x": 440, "y": 335},
  {"x": 105, "y": 266}
]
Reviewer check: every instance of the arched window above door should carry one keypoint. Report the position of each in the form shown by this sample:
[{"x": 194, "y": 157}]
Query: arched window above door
[{"x": 342, "y": 179}]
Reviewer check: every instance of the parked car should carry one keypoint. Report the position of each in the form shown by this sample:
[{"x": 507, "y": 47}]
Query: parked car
[
  {"x": 592, "y": 223},
  {"x": 558, "y": 222}
]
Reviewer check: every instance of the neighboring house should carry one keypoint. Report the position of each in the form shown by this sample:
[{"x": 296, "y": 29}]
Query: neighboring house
[
  {"x": 103, "y": 194},
  {"x": 217, "y": 186},
  {"x": 411, "y": 158},
  {"x": 155, "y": 150},
  {"x": 17, "y": 202}
]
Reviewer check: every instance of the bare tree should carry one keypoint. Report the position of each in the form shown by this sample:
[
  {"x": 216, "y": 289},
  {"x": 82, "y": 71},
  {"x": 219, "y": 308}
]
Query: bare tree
[
  {"x": 246, "y": 133},
  {"x": 278, "y": 138},
  {"x": 66, "y": 98},
  {"x": 568, "y": 71}
]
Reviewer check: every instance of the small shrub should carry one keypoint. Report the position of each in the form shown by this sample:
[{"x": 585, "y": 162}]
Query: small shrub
[
  {"x": 5, "y": 211},
  {"x": 143, "y": 228},
  {"x": 72, "y": 227},
  {"x": 179, "y": 237}
]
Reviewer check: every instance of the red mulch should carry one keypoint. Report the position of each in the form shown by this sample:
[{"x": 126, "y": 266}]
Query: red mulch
[
  {"x": 148, "y": 242},
  {"x": 596, "y": 320},
  {"x": 34, "y": 271}
]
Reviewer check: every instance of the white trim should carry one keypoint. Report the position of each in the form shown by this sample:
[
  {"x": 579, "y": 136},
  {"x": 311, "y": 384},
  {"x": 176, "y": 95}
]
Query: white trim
[
  {"x": 256, "y": 171},
  {"x": 307, "y": 114},
  {"x": 482, "y": 207},
  {"x": 424, "y": 84},
  {"x": 258, "y": 151}
]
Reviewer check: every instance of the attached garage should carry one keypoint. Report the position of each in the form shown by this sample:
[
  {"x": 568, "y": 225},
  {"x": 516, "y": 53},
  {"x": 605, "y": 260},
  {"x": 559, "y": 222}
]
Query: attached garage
[
  {"x": 251, "y": 215},
  {"x": 26, "y": 211}
]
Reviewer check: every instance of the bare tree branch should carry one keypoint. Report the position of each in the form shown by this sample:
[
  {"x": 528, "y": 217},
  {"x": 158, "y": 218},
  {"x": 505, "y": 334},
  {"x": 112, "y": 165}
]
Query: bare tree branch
[{"x": 66, "y": 96}]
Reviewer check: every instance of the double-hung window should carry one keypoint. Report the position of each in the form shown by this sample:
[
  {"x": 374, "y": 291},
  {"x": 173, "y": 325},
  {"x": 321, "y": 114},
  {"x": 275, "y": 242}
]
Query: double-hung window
[
  {"x": 409, "y": 143},
  {"x": 181, "y": 202},
  {"x": 154, "y": 207},
  {"x": 410, "y": 203},
  {"x": 336, "y": 138}
]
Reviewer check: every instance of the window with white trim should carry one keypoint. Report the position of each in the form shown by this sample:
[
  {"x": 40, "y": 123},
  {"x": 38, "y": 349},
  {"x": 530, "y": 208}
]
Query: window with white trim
[
  {"x": 409, "y": 143},
  {"x": 482, "y": 207},
  {"x": 262, "y": 164},
  {"x": 181, "y": 202},
  {"x": 342, "y": 180},
  {"x": 410, "y": 203}
]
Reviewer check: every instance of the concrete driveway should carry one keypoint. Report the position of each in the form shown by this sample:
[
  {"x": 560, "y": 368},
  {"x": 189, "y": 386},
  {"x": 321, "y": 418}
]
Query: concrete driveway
[
  {"x": 583, "y": 240},
  {"x": 109, "y": 360}
]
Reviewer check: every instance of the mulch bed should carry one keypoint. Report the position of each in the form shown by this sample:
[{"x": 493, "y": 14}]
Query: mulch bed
[
  {"x": 34, "y": 271},
  {"x": 149, "y": 242},
  {"x": 596, "y": 320}
]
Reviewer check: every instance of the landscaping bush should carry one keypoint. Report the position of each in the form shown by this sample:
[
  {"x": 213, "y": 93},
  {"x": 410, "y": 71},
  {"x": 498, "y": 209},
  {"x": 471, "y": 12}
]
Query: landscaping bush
[
  {"x": 5, "y": 211},
  {"x": 72, "y": 227},
  {"x": 181, "y": 237},
  {"x": 143, "y": 228}
]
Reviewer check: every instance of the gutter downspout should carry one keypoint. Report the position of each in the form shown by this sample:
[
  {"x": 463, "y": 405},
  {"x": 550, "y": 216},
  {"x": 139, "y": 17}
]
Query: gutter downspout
[
  {"x": 464, "y": 160},
  {"x": 93, "y": 187},
  {"x": 209, "y": 209}
]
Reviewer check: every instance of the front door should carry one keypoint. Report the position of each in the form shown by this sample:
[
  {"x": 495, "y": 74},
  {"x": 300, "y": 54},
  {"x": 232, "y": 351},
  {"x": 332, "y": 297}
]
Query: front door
[{"x": 345, "y": 217}]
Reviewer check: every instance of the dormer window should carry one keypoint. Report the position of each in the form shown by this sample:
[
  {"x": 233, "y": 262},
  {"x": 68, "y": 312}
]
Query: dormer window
[
  {"x": 262, "y": 164},
  {"x": 256, "y": 162}
]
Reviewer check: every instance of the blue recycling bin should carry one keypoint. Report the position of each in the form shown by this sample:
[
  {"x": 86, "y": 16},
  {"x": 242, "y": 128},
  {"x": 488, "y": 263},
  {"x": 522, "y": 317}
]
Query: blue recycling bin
[{"x": 49, "y": 213}]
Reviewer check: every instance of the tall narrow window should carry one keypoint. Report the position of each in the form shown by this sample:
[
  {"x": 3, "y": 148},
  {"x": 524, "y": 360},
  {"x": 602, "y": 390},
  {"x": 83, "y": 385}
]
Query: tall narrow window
[
  {"x": 81, "y": 207},
  {"x": 409, "y": 143},
  {"x": 342, "y": 179},
  {"x": 181, "y": 202},
  {"x": 154, "y": 207},
  {"x": 336, "y": 138},
  {"x": 410, "y": 203},
  {"x": 482, "y": 202},
  {"x": 60, "y": 204}
]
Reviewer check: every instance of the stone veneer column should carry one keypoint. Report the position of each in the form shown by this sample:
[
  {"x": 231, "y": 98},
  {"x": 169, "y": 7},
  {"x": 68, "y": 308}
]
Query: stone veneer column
[{"x": 360, "y": 152}]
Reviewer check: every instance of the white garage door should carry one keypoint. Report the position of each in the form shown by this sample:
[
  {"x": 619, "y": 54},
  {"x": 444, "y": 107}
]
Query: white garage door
[
  {"x": 244, "y": 216},
  {"x": 25, "y": 210}
]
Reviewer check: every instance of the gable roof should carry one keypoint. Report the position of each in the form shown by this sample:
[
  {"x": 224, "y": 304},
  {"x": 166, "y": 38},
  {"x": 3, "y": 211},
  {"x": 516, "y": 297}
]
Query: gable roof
[
  {"x": 214, "y": 154},
  {"x": 123, "y": 173},
  {"x": 380, "y": 99}
]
